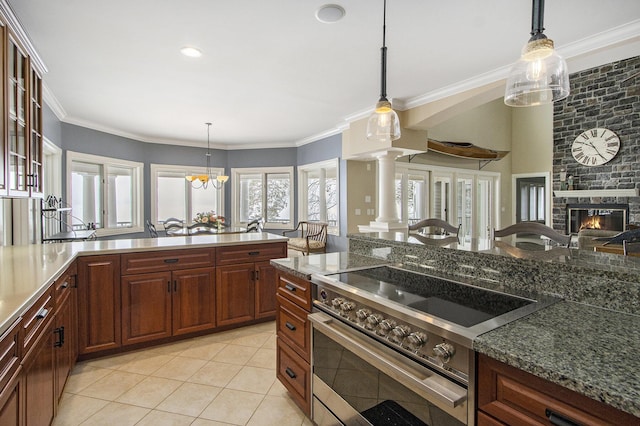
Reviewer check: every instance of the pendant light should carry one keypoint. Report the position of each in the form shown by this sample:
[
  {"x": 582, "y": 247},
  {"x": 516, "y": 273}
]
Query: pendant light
[
  {"x": 203, "y": 181},
  {"x": 540, "y": 76},
  {"x": 383, "y": 124}
]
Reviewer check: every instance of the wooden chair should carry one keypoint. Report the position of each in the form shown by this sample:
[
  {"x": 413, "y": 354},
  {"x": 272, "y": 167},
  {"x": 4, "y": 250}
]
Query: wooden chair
[
  {"x": 312, "y": 237},
  {"x": 533, "y": 228},
  {"x": 445, "y": 227}
]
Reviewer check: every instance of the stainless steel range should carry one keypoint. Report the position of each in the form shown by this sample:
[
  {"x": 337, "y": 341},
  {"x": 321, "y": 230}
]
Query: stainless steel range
[{"x": 393, "y": 347}]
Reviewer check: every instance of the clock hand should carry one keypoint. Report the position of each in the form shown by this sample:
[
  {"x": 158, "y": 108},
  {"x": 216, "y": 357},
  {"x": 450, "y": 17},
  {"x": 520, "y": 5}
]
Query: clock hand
[{"x": 596, "y": 150}]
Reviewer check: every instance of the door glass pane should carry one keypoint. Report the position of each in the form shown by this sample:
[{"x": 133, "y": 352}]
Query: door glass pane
[
  {"x": 331, "y": 188},
  {"x": 398, "y": 192},
  {"x": 441, "y": 197},
  {"x": 278, "y": 195},
  {"x": 171, "y": 196},
  {"x": 464, "y": 203},
  {"x": 313, "y": 195},
  {"x": 484, "y": 207},
  {"x": 416, "y": 198},
  {"x": 120, "y": 197},
  {"x": 85, "y": 195},
  {"x": 250, "y": 197}
]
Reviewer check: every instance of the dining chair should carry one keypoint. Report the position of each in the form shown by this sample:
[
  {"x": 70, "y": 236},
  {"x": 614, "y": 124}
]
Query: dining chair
[
  {"x": 201, "y": 228},
  {"x": 152, "y": 229},
  {"x": 445, "y": 227},
  {"x": 533, "y": 228},
  {"x": 256, "y": 225}
]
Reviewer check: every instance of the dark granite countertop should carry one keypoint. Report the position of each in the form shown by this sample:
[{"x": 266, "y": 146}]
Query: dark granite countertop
[
  {"x": 305, "y": 266},
  {"x": 593, "y": 351}
]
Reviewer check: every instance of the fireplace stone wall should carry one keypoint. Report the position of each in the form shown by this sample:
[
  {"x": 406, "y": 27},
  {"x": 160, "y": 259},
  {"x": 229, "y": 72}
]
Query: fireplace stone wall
[{"x": 607, "y": 96}]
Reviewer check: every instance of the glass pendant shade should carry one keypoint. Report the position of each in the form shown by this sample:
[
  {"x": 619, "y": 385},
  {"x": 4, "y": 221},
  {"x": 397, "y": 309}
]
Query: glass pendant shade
[
  {"x": 539, "y": 77},
  {"x": 383, "y": 124}
]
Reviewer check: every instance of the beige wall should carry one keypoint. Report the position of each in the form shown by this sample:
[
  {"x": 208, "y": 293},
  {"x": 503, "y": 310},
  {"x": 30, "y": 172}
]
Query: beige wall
[
  {"x": 361, "y": 182},
  {"x": 532, "y": 139}
]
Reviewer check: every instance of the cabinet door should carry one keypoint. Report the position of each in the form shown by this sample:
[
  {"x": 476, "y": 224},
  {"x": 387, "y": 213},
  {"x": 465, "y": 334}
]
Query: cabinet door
[
  {"x": 34, "y": 179},
  {"x": 194, "y": 300},
  {"x": 18, "y": 134},
  {"x": 63, "y": 344},
  {"x": 39, "y": 380},
  {"x": 98, "y": 303},
  {"x": 235, "y": 293},
  {"x": 266, "y": 285},
  {"x": 146, "y": 307},
  {"x": 11, "y": 401}
]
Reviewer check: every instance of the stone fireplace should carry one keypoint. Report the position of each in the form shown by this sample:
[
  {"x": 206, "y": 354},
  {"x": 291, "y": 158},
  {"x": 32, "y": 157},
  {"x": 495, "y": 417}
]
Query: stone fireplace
[{"x": 604, "y": 217}]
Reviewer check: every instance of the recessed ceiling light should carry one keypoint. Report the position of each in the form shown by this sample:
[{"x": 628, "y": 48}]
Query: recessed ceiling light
[
  {"x": 330, "y": 13},
  {"x": 191, "y": 52}
]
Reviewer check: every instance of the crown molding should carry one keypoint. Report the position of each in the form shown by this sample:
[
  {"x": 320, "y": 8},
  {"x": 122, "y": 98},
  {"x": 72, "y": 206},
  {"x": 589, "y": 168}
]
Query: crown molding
[
  {"x": 51, "y": 100},
  {"x": 22, "y": 37},
  {"x": 624, "y": 33},
  {"x": 322, "y": 135}
]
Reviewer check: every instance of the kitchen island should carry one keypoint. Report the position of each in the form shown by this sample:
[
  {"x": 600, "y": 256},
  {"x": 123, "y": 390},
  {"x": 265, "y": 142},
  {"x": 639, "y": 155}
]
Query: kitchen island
[{"x": 589, "y": 349}]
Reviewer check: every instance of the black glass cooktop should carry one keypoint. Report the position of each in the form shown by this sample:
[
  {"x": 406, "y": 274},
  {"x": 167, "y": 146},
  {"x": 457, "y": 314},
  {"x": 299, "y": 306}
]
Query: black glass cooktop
[{"x": 461, "y": 304}]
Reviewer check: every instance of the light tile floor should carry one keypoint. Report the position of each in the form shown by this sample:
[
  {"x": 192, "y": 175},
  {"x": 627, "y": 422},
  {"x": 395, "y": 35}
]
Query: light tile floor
[{"x": 227, "y": 378}]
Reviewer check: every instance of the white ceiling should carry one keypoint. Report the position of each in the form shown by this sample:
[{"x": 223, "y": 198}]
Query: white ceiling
[{"x": 271, "y": 75}]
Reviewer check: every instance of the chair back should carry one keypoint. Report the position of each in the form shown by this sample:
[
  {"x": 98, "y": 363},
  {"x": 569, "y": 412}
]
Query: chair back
[
  {"x": 314, "y": 231},
  {"x": 200, "y": 228},
  {"x": 436, "y": 223},
  {"x": 152, "y": 229},
  {"x": 534, "y": 228},
  {"x": 256, "y": 225}
]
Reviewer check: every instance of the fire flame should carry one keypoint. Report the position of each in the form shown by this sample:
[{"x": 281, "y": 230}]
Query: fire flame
[{"x": 592, "y": 222}]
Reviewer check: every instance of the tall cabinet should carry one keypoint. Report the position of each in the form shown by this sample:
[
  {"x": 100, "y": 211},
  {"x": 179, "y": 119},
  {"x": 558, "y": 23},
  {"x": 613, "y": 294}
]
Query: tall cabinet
[{"x": 21, "y": 173}]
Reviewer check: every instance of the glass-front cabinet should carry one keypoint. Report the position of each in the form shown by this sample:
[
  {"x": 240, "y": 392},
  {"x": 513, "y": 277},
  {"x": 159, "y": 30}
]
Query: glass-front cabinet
[{"x": 24, "y": 124}]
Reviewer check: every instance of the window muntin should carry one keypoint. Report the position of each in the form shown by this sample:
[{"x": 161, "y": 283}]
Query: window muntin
[
  {"x": 173, "y": 196},
  {"x": 263, "y": 193},
  {"x": 105, "y": 193},
  {"x": 318, "y": 197}
]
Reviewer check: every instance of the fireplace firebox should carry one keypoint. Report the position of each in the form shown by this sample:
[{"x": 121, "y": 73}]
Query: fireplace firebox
[{"x": 606, "y": 217}]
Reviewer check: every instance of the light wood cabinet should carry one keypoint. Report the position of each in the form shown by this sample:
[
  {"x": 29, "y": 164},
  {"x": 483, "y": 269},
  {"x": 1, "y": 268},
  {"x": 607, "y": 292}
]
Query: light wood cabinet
[
  {"x": 99, "y": 307},
  {"x": 509, "y": 396},
  {"x": 294, "y": 337}
]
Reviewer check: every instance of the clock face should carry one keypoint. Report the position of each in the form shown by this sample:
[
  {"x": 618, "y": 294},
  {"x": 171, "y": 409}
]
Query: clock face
[{"x": 595, "y": 147}]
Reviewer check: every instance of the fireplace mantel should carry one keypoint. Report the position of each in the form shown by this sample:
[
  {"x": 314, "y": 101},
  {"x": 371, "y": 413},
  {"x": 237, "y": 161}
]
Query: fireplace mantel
[{"x": 582, "y": 193}]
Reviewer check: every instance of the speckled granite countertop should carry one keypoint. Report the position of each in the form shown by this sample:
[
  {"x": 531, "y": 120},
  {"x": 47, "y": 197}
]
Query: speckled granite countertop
[
  {"x": 26, "y": 271},
  {"x": 593, "y": 351}
]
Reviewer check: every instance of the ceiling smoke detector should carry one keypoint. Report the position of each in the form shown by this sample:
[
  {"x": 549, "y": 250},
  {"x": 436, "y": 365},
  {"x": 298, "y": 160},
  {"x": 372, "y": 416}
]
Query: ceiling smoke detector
[{"x": 330, "y": 13}]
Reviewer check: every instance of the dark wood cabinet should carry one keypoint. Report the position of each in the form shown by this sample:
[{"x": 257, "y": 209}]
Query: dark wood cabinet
[
  {"x": 38, "y": 369},
  {"x": 235, "y": 294},
  {"x": 65, "y": 328},
  {"x": 11, "y": 401},
  {"x": 266, "y": 286},
  {"x": 11, "y": 395},
  {"x": 146, "y": 307},
  {"x": 294, "y": 337},
  {"x": 509, "y": 396},
  {"x": 194, "y": 300},
  {"x": 99, "y": 307}
]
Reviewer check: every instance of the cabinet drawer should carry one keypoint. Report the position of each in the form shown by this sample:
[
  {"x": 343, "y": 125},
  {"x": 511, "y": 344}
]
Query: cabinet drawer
[
  {"x": 293, "y": 327},
  {"x": 250, "y": 253},
  {"x": 36, "y": 318},
  {"x": 513, "y": 396},
  {"x": 295, "y": 375},
  {"x": 9, "y": 354},
  {"x": 64, "y": 284},
  {"x": 295, "y": 289},
  {"x": 140, "y": 263}
]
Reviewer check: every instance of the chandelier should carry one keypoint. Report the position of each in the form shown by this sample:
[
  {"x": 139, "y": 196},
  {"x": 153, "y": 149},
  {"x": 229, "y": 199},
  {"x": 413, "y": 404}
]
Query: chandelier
[{"x": 203, "y": 181}]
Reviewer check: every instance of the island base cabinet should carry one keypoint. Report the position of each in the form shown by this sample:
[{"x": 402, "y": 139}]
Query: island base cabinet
[
  {"x": 11, "y": 395},
  {"x": 146, "y": 307},
  {"x": 10, "y": 401},
  {"x": 235, "y": 294},
  {"x": 509, "y": 396},
  {"x": 38, "y": 368},
  {"x": 194, "y": 300},
  {"x": 99, "y": 306}
]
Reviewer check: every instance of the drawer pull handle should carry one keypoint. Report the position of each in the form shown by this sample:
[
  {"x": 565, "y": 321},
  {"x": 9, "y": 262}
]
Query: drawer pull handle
[
  {"x": 60, "y": 332},
  {"x": 64, "y": 285},
  {"x": 290, "y": 373},
  {"x": 557, "y": 419},
  {"x": 42, "y": 313},
  {"x": 168, "y": 286},
  {"x": 171, "y": 260},
  {"x": 254, "y": 253},
  {"x": 290, "y": 326},
  {"x": 290, "y": 287}
]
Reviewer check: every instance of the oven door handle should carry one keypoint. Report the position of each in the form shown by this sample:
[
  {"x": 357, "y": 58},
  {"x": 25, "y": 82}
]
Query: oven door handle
[{"x": 419, "y": 379}]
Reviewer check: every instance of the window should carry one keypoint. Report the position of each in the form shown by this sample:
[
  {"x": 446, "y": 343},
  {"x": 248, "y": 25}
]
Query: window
[
  {"x": 105, "y": 193},
  {"x": 411, "y": 195},
  {"x": 318, "y": 197},
  {"x": 263, "y": 193},
  {"x": 173, "y": 196}
]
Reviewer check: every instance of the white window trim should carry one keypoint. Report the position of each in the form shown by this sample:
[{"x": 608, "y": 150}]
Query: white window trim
[
  {"x": 155, "y": 168},
  {"x": 52, "y": 165},
  {"x": 302, "y": 189},
  {"x": 138, "y": 189},
  {"x": 235, "y": 193}
]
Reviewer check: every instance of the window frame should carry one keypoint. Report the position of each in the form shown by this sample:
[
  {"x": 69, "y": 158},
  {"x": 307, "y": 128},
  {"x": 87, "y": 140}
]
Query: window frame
[
  {"x": 191, "y": 170},
  {"x": 303, "y": 172},
  {"x": 263, "y": 171},
  {"x": 137, "y": 217}
]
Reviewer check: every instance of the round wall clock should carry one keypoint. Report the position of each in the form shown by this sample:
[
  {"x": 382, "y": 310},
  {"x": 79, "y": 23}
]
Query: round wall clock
[{"x": 595, "y": 147}]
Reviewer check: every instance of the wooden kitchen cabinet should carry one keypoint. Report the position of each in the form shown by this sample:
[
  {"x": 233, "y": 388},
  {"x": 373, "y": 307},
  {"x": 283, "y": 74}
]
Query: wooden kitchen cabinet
[
  {"x": 99, "y": 308},
  {"x": 65, "y": 328},
  {"x": 293, "y": 354},
  {"x": 509, "y": 396},
  {"x": 246, "y": 282},
  {"x": 11, "y": 395},
  {"x": 194, "y": 300}
]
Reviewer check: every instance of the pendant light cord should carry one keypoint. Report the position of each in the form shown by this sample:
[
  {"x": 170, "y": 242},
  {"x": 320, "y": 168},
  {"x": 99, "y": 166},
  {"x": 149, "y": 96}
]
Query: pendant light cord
[
  {"x": 383, "y": 54},
  {"x": 537, "y": 20}
]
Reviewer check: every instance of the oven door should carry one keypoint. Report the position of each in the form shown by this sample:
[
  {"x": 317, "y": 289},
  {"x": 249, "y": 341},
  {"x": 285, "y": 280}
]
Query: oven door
[{"x": 359, "y": 381}]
